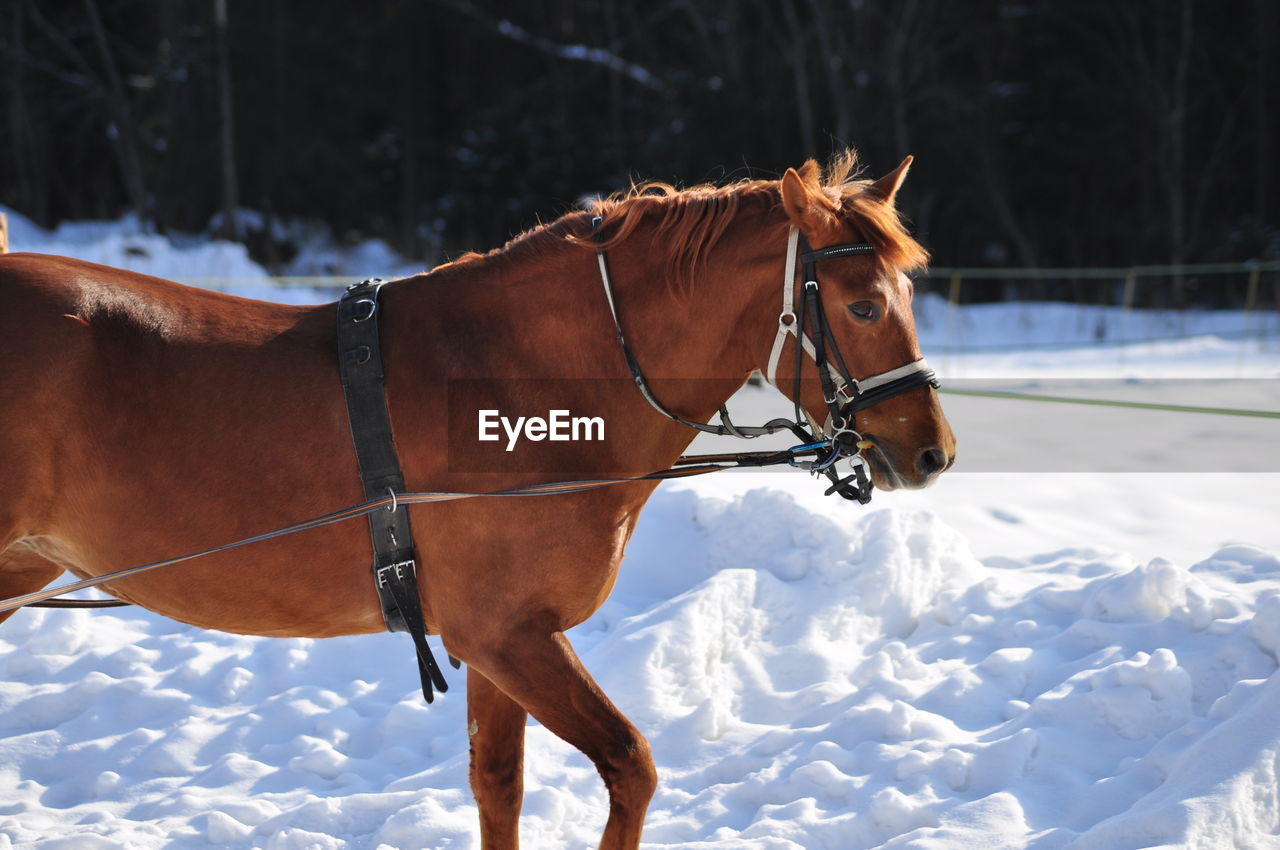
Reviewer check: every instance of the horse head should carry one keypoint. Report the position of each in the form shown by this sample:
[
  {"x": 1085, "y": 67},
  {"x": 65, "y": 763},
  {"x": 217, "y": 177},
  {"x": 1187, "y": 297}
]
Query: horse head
[{"x": 866, "y": 301}]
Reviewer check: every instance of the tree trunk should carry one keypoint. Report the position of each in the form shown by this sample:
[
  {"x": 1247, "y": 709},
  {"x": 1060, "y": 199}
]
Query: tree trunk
[
  {"x": 226, "y": 127},
  {"x": 616, "y": 97},
  {"x": 18, "y": 121},
  {"x": 798, "y": 51},
  {"x": 164, "y": 208},
  {"x": 1177, "y": 154},
  {"x": 1263, "y": 152},
  {"x": 898, "y": 56},
  {"x": 125, "y": 137},
  {"x": 409, "y": 135}
]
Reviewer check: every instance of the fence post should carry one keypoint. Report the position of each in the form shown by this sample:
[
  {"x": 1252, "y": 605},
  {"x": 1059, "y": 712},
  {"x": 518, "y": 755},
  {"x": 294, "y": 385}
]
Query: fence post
[
  {"x": 953, "y": 299},
  {"x": 1130, "y": 290},
  {"x": 1251, "y": 297},
  {"x": 1250, "y": 302},
  {"x": 4, "y": 233}
]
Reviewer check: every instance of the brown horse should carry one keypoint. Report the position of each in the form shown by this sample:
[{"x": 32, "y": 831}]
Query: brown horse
[{"x": 144, "y": 419}]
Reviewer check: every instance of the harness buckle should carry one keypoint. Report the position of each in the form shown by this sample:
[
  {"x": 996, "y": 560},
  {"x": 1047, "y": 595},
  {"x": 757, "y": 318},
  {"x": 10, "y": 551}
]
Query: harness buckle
[
  {"x": 397, "y": 569},
  {"x": 369, "y": 304},
  {"x": 846, "y": 440}
]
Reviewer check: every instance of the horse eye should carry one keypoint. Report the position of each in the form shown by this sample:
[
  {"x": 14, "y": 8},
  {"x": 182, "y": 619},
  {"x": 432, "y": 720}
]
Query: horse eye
[{"x": 863, "y": 309}]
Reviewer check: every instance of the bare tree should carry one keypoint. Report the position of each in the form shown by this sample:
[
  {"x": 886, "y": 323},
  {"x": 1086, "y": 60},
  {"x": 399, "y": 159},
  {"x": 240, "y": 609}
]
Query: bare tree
[
  {"x": 1265, "y": 26},
  {"x": 104, "y": 86},
  {"x": 226, "y": 126},
  {"x": 123, "y": 129},
  {"x": 29, "y": 194}
]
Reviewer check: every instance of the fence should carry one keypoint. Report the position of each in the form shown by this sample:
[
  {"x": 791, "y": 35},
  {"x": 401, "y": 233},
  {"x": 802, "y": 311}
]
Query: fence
[
  {"x": 1168, "y": 302},
  {"x": 1114, "y": 306}
]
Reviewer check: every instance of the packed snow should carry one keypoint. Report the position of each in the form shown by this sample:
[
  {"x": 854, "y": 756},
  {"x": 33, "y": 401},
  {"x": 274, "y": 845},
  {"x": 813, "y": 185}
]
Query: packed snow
[{"x": 1006, "y": 660}]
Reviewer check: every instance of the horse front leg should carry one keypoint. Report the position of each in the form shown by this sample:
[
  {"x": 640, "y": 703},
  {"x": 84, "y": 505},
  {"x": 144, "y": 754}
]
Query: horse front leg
[
  {"x": 495, "y": 724},
  {"x": 541, "y": 672}
]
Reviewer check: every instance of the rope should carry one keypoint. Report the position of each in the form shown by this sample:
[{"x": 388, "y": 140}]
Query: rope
[
  {"x": 1101, "y": 273},
  {"x": 1100, "y": 402},
  {"x": 1117, "y": 342}
]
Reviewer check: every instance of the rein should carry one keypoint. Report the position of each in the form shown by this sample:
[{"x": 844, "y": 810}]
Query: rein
[{"x": 685, "y": 467}]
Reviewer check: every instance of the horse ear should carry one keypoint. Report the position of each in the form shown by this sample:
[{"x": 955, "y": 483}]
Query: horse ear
[
  {"x": 795, "y": 195},
  {"x": 811, "y": 174},
  {"x": 802, "y": 197},
  {"x": 887, "y": 186}
]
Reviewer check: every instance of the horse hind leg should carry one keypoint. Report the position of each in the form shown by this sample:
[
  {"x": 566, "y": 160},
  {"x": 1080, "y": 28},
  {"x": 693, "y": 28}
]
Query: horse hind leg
[
  {"x": 541, "y": 672},
  {"x": 495, "y": 725},
  {"x": 23, "y": 571}
]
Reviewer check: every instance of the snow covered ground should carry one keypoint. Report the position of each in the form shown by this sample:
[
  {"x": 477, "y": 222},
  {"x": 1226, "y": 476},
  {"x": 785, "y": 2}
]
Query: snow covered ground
[
  {"x": 1006, "y": 660},
  {"x": 213, "y": 263}
]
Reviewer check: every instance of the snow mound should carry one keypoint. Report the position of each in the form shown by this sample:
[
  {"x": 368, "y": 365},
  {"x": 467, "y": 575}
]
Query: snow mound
[
  {"x": 317, "y": 269},
  {"x": 127, "y": 244},
  {"x": 805, "y": 682}
]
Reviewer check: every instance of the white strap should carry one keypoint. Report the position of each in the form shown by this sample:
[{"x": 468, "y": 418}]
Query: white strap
[
  {"x": 892, "y": 375},
  {"x": 608, "y": 290},
  {"x": 789, "y": 272},
  {"x": 787, "y": 324},
  {"x": 787, "y": 318}
]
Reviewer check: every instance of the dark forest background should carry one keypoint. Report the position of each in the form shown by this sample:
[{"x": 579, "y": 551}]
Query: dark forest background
[{"x": 1046, "y": 132}]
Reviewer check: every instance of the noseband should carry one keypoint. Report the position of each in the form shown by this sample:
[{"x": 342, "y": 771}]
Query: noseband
[{"x": 844, "y": 395}]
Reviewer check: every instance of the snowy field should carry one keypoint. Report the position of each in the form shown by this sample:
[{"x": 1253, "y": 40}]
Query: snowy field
[{"x": 1005, "y": 660}]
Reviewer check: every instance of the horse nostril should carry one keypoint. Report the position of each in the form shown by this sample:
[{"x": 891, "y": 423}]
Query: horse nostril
[{"x": 931, "y": 461}]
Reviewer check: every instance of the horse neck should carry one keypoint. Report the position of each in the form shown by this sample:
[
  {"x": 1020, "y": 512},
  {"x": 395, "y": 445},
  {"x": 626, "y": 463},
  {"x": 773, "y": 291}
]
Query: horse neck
[
  {"x": 543, "y": 315},
  {"x": 705, "y": 336}
]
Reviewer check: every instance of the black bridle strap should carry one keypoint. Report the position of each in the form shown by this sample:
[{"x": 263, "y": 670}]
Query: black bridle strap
[
  {"x": 912, "y": 381},
  {"x": 809, "y": 260},
  {"x": 813, "y": 305},
  {"x": 726, "y": 428}
]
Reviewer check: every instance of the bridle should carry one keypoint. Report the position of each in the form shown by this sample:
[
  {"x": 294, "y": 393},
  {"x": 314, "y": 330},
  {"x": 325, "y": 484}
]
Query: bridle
[{"x": 844, "y": 395}]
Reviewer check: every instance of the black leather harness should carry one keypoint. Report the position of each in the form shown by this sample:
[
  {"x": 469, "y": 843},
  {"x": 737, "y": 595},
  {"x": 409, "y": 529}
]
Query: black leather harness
[{"x": 394, "y": 568}]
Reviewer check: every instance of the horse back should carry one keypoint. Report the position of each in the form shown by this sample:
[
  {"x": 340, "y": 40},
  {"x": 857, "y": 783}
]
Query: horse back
[
  {"x": 47, "y": 294},
  {"x": 120, "y": 346}
]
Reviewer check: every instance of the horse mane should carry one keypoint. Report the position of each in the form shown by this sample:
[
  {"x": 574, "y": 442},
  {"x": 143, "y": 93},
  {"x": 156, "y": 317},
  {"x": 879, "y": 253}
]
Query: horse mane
[{"x": 690, "y": 221}]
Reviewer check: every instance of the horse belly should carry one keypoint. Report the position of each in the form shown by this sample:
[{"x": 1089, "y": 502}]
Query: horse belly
[{"x": 216, "y": 463}]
